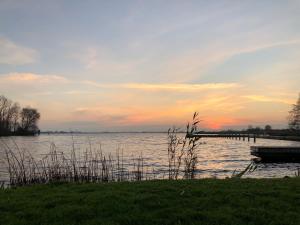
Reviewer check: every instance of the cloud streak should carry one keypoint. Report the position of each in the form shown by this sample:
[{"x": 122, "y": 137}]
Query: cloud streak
[
  {"x": 193, "y": 64},
  {"x": 262, "y": 98},
  {"x": 14, "y": 54},
  {"x": 26, "y": 78},
  {"x": 167, "y": 86}
]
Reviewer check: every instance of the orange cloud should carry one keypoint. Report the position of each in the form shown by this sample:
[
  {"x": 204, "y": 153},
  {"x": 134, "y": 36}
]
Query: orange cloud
[{"x": 167, "y": 86}]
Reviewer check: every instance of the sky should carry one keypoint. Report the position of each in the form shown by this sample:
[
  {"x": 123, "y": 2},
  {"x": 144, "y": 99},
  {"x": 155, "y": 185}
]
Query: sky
[{"x": 148, "y": 65}]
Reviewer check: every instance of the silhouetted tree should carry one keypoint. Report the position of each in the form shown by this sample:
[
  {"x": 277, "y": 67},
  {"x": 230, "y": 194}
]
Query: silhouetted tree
[
  {"x": 294, "y": 116},
  {"x": 256, "y": 130},
  {"x": 14, "y": 121},
  {"x": 15, "y": 117},
  {"x": 29, "y": 119},
  {"x": 4, "y": 102},
  {"x": 8, "y": 113},
  {"x": 268, "y": 128}
]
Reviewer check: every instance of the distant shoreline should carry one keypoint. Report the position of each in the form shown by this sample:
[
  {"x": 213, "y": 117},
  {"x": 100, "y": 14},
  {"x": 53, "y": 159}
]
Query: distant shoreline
[{"x": 284, "y": 137}]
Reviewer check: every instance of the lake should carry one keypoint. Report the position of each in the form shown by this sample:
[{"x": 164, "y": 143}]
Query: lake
[{"x": 218, "y": 157}]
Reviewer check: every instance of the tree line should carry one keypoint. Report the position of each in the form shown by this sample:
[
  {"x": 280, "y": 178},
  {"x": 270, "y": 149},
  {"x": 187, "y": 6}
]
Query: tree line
[
  {"x": 294, "y": 116},
  {"x": 15, "y": 120}
]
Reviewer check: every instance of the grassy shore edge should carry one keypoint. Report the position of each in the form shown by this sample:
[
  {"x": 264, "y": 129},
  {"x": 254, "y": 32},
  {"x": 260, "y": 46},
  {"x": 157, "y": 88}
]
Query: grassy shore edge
[{"x": 205, "y": 201}]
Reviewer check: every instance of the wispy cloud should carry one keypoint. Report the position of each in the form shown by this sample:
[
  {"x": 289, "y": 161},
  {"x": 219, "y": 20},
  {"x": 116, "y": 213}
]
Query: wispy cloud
[
  {"x": 262, "y": 98},
  {"x": 101, "y": 60},
  {"x": 30, "y": 78},
  {"x": 194, "y": 63},
  {"x": 14, "y": 54},
  {"x": 167, "y": 86},
  {"x": 266, "y": 45}
]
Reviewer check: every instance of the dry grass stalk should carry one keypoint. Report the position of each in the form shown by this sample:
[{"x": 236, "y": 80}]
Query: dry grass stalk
[
  {"x": 183, "y": 150},
  {"x": 55, "y": 166}
]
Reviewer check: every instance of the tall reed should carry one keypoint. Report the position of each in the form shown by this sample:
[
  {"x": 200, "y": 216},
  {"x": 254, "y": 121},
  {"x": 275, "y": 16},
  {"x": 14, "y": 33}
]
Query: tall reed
[
  {"x": 56, "y": 166},
  {"x": 182, "y": 151}
]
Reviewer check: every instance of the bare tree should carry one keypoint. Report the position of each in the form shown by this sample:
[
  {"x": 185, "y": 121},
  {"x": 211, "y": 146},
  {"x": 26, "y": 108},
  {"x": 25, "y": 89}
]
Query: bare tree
[
  {"x": 12, "y": 112},
  {"x": 15, "y": 121},
  {"x": 3, "y": 109},
  {"x": 294, "y": 116},
  {"x": 29, "y": 119},
  {"x": 268, "y": 129},
  {"x": 6, "y": 111},
  {"x": 15, "y": 115}
]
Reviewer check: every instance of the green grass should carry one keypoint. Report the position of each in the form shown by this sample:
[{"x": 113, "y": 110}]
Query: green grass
[{"x": 208, "y": 201}]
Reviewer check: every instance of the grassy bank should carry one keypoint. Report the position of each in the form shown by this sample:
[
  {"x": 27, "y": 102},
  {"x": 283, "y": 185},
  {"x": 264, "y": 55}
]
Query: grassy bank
[{"x": 209, "y": 201}]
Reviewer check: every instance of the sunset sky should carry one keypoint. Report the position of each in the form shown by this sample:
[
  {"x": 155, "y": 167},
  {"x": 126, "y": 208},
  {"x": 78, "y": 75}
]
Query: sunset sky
[{"x": 148, "y": 65}]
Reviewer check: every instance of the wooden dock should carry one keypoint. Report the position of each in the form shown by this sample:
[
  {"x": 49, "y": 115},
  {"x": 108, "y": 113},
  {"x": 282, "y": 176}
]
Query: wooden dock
[
  {"x": 243, "y": 137},
  {"x": 277, "y": 153}
]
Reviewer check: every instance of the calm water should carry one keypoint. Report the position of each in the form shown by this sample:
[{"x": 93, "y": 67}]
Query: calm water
[{"x": 217, "y": 157}]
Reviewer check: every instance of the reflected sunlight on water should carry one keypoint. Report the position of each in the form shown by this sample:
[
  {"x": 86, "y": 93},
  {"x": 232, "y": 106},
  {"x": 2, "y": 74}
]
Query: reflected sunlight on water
[{"x": 218, "y": 157}]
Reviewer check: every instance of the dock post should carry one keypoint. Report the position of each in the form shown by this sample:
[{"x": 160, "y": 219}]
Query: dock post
[
  {"x": 243, "y": 137},
  {"x": 254, "y": 138},
  {"x": 248, "y": 137},
  {"x": 239, "y": 136}
]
